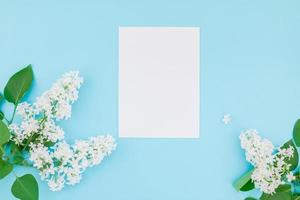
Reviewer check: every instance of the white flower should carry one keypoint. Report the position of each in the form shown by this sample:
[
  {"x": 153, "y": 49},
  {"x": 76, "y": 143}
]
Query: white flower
[
  {"x": 257, "y": 150},
  {"x": 290, "y": 177},
  {"x": 62, "y": 152},
  {"x": 25, "y": 110},
  {"x": 64, "y": 164},
  {"x": 18, "y": 137},
  {"x": 29, "y": 126},
  {"x": 40, "y": 156},
  {"x": 56, "y": 184},
  {"x": 56, "y": 102},
  {"x": 73, "y": 175},
  {"x": 269, "y": 168},
  {"x": 61, "y": 163},
  {"x": 52, "y": 132},
  {"x": 226, "y": 119}
]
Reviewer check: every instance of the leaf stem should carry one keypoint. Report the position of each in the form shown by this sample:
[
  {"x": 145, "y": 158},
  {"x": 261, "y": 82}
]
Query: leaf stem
[
  {"x": 13, "y": 115},
  {"x": 15, "y": 173},
  {"x": 34, "y": 134},
  {"x": 6, "y": 157},
  {"x": 2, "y": 150},
  {"x": 7, "y": 121},
  {"x": 3, "y": 153},
  {"x": 28, "y": 141}
]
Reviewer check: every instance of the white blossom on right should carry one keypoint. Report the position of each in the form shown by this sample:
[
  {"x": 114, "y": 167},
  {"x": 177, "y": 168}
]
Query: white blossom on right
[{"x": 270, "y": 167}]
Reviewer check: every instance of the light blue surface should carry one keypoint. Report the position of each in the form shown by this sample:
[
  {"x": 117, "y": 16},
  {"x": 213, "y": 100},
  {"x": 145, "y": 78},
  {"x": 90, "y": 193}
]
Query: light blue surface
[{"x": 250, "y": 68}]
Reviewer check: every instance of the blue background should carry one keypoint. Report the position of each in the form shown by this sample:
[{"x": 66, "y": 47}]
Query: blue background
[{"x": 250, "y": 68}]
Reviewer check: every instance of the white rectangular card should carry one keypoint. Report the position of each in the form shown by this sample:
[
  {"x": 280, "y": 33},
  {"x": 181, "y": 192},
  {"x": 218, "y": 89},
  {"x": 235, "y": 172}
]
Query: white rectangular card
[{"x": 159, "y": 86}]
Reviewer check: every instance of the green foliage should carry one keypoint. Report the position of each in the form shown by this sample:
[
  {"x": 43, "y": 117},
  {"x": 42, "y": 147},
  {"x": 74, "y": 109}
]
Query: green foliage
[
  {"x": 18, "y": 85},
  {"x": 296, "y": 133},
  {"x": 250, "y": 198},
  {"x": 4, "y": 133},
  {"x": 244, "y": 183},
  {"x": 248, "y": 186},
  {"x": 25, "y": 188},
  {"x": 16, "y": 155},
  {"x": 49, "y": 144},
  {"x": 295, "y": 159},
  {"x": 5, "y": 168},
  {"x": 296, "y": 197},
  {"x": 1, "y": 115}
]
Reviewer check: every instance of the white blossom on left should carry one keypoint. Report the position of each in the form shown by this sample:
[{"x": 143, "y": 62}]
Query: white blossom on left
[
  {"x": 64, "y": 164},
  {"x": 58, "y": 162},
  {"x": 38, "y": 119}
]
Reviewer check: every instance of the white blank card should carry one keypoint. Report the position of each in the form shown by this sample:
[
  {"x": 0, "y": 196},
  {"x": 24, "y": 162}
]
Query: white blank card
[{"x": 159, "y": 82}]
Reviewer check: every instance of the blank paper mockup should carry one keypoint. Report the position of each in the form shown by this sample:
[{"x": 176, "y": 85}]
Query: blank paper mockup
[{"x": 159, "y": 82}]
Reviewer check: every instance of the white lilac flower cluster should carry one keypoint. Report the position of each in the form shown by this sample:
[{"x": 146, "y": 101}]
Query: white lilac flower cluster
[
  {"x": 64, "y": 164},
  {"x": 38, "y": 119},
  {"x": 270, "y": 167},
  {"x": 59, "y": 163}
]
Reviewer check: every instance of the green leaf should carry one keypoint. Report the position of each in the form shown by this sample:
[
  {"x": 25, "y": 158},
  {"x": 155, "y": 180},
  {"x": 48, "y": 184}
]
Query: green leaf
[
  {"x": 1, "y": 97},
  {"x": 1, "y": 115},
  {"x": 4, "y": 133},
  {"x": 283, "y": 192},
  {"x": 13, "y": 147},
  {"x": 5, "y": 168},
  {"x": 17, "y": 156},
  {"x": 18, "y": 160},
  {"x": 25, "y": 188},
  {"x": 18, "y": 85},
  {"x": 296, "y": 197},
  {"x": 248, "y": 186},
  {"x": 49, "y": 144},
  {"x": 244, "y": 183},
  {"x": 295, "y": 159},
  {"x": 250, "y": 198},
  {"x": 296, "y": 133},
  {"x": 284, "y": 188}
]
